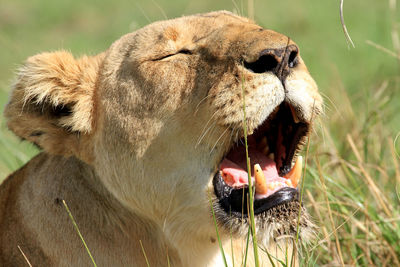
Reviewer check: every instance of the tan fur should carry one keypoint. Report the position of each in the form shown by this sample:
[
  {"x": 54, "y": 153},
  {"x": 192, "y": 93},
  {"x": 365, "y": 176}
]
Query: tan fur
[{"x": 131, "y": 139}]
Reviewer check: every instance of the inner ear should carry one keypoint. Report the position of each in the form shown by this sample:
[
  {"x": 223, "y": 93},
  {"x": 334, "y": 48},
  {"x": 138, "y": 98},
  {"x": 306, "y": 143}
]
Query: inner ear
[
  {"x": 61, "y": 110},
  {"x": 54, "y": 111}
]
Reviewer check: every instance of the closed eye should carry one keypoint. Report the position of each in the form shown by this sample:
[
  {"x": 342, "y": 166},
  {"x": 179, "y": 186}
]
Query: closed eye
[
  {"x": 185, "y": 51},
  {"x": 182, "y": 51}
]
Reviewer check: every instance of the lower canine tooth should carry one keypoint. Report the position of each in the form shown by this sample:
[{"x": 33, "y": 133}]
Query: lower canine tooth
[
  {"x": 295, "y": 173},
  {"x": 261, "y": 183}
]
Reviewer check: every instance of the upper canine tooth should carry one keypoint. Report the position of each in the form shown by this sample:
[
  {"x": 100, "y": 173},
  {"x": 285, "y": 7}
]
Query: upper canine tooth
[
  {"x": 261, "y": 183},
  {"x": 295, "y": 173}
]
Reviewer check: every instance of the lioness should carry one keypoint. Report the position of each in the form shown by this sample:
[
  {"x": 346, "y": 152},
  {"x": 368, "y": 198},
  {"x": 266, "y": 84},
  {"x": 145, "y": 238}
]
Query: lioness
[{"x": 143, "y": 139}]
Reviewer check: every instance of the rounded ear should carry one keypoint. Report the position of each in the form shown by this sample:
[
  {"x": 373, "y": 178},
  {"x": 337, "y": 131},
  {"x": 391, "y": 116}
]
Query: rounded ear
[{"x": 52, "y": 101}]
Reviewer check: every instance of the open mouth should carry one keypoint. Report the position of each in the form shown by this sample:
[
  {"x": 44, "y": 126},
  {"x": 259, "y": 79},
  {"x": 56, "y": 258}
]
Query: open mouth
[{"x": 275, "y": 166}]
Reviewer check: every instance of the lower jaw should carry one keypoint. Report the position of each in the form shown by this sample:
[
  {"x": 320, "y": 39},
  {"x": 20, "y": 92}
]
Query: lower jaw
[{"x": 234, "y": 201}]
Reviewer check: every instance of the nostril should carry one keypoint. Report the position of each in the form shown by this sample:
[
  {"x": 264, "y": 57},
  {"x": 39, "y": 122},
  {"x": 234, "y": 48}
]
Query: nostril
[
  {"x": 263, "y": 64},
  {"x": 292, "y": 62}
]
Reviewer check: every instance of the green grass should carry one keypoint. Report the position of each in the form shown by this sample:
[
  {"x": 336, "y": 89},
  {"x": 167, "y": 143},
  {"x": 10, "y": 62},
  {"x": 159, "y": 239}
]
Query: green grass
[
  {"x": 80, "y": 235},
  {"x": 352, "y": 181},
  {"x": 251, "y": 194}
]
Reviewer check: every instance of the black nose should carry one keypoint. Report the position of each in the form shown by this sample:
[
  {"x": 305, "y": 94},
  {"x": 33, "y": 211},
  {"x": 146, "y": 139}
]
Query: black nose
[{"x": 279, "y": 61}]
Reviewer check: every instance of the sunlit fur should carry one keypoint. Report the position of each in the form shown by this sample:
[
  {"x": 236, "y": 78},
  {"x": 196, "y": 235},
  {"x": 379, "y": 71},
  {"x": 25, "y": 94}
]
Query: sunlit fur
[{"x": 131, "y": 139}]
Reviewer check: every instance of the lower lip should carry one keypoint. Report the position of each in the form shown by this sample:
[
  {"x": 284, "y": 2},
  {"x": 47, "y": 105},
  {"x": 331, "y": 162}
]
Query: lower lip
[{"x": 234, "y": 197}]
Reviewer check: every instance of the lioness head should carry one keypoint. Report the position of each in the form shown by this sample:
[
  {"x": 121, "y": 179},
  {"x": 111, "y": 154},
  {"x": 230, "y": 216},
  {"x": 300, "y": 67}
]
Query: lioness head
[{"x": 159, "y": 116}]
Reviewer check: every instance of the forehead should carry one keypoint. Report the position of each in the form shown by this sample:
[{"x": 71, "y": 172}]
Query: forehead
[
  {"x": 201, "y": 25},
  {"x": 194, "y": 27},
  {"x": 217, "y": 30}
]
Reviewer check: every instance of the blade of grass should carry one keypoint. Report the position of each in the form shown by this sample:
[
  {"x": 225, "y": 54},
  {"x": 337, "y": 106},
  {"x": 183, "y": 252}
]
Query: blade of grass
[
  {"x": 383, "y": 49},
  {"x": 392, "y": 145},
  {"x": 270, "y": 259},
  {"x": 79, "y": 232},
  {"x": 294, "y": 253},
  {"x": 251, "y": 195},
  {"x": 144, "y": 253},
  {"x": 216, "y": 230},
  {"x": 248, "y": 232},
  {"x": 324, "y": 190},
  {"x": 168, "y": 262},
  {"x": 230, "y": 233},
  {"x": 346, "y": 33},
  {"x": 303, "y": 178},
  {"x": 247, "y": 248},
  {"x": 250, "y": 9},
  {"x": 336, "y": 229},
  {"x": 370, "y": 182},
  {"x": 23, "y": 254}
]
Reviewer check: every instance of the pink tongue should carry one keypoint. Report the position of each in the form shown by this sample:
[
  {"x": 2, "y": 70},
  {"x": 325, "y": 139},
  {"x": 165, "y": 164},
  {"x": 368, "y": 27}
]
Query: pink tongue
[{"x": 234, "y": 167}]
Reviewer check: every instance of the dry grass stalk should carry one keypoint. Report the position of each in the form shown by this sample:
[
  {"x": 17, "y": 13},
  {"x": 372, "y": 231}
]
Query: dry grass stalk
[
  {"x": 346, "y": 33},
  {"x": 383, "y": 49},
  {"x": 321, "y": 177},
  {"x": 370, "y": 182},
  {"x": 23, "y": 254}
]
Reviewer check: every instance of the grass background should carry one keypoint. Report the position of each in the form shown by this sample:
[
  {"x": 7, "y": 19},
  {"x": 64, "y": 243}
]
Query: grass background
[{"x": 353, "y": 180}]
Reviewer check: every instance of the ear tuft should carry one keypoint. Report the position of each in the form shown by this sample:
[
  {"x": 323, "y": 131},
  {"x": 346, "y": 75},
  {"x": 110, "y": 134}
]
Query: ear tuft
[
  {"x": 58, "y": 80},
  {"x": 52, "y": 99}
]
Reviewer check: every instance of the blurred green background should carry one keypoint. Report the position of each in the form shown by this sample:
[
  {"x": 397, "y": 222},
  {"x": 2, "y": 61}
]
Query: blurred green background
[{"x": 360, "y": 86}]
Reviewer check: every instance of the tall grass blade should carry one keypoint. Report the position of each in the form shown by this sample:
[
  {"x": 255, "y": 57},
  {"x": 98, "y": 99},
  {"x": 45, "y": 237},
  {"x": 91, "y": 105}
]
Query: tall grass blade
[
  {"x": 144, "y": 253},
  {"x": 247, "y": 247},
  {"x": 251, "y": 195},
  {"x": 217, "y": 232},
  {"x": 303, "y": 178},
  {"x": 324, "y": 189},
  {"x": 79, "y": 232},
  {"x": 346, "y": 33},
  {"x": 23, "y": 254},
  {"x": 232, "y": 256}
]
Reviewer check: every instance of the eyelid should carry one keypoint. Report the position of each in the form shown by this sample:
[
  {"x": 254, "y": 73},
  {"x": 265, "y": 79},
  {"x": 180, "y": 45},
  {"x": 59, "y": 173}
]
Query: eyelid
[
  {"x": 182, "y": 51},
  {"x": 185, "y": 51}
]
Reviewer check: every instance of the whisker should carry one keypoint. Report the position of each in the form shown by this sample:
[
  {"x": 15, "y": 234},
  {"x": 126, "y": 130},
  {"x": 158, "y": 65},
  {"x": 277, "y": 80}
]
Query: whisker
[
  {"x": 204, "y": 132},
  {"x": 198, "y": 105},
  {"x": 218, "y": 140},
  {"x": 232, "y": 131}
]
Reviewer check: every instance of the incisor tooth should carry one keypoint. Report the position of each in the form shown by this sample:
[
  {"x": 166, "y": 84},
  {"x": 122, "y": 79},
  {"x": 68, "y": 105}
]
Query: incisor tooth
[
  {"x": 295, "y": 173},
  {"x": 289, "y": 182},
  {"x": 227, "y": 178},
  {"x": 261, "y": 183}
]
